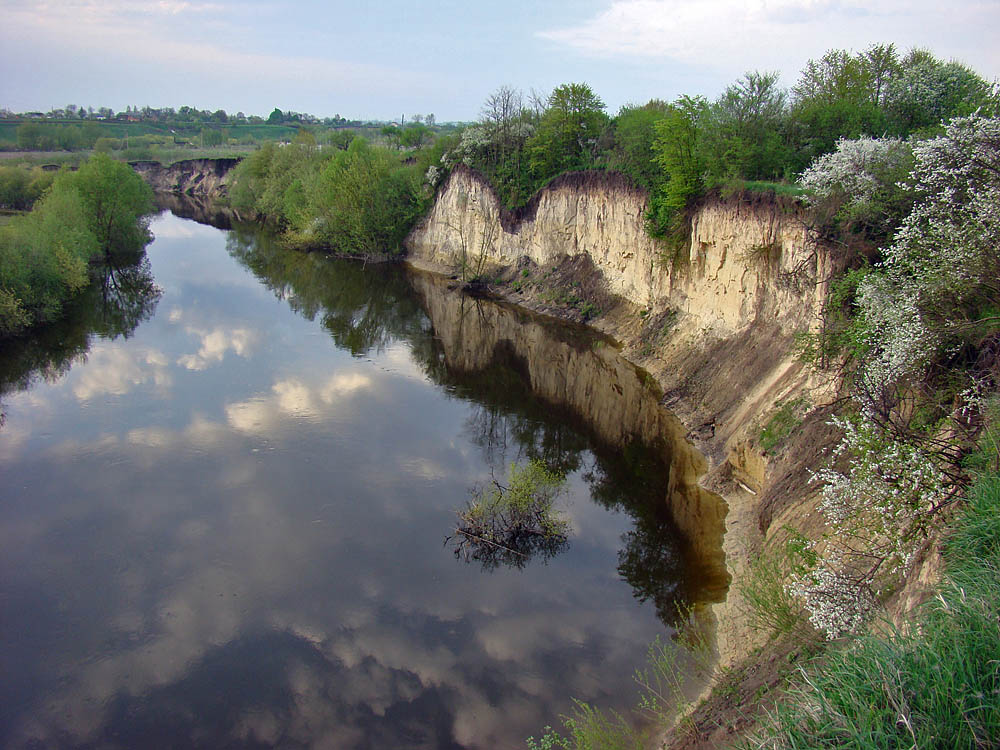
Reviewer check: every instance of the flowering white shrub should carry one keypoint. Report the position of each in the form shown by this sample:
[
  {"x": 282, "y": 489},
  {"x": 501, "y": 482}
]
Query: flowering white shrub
[
  {"x": 874, "y": 513},
  {"x": 857, "y": 171},
  {"x": 909, "y": 310}
]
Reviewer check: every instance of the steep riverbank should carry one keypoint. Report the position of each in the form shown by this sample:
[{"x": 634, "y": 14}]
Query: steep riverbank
[
  {"x": 196, "y": 178},
  {"x": 715, "y": 328}
]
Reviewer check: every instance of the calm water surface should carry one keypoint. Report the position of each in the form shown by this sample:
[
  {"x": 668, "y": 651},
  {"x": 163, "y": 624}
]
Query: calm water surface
[{"x": 224, "y": 507}]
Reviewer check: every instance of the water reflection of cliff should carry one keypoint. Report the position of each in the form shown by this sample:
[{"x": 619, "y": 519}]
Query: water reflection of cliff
[
  {"x": 646, "y": 458},
  {"x": 519, "y": 371}
]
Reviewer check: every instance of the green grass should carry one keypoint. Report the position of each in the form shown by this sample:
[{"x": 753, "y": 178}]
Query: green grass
[
  {"x": 782, "y": 423},
  {"x": 771, "y": 609},
  {"x": 759, "y": 186},
  {"x": 934, "y": 685}
]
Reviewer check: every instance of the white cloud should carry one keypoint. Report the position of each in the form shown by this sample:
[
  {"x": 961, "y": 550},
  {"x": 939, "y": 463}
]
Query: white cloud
[
  {"x": 115, "y": 370},
  {"x": 214, "y": 345},
  {"x": 780, "y": 34},
  {"x": 294, "y": 398}
]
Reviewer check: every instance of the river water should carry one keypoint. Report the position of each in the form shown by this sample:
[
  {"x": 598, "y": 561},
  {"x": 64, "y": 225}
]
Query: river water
[{"x": 227, "y": 486}]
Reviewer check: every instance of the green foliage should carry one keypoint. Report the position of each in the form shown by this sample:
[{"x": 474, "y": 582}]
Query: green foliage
[
  {"x": 507, "y": 525},
  {"x": 211, "y": 137},
  {"x": 43, "y": 259},
  {"x": 783, "y": 422},
  {"x": 763, "y": 586},
  {"x": 746, "y": 130},
  {"x": 984, "y": 458},
  {"x": 839, "y": 332},
  {"x": 567, "y": 134},
  {"x": 361, "y": 200},
  {"x": 679, "y": 150},
  {"x": 21, "y": 187},
  {"x": 634, "y": 134},
  {"x": 935, "y": 685},
  {"x": 116, "y": 199},
  {"x": 44, "y": 255},
  {"x": 589, "y": 728}
]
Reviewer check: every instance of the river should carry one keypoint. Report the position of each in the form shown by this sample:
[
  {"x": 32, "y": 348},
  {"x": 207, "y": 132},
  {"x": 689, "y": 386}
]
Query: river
[{"x": 227, "y": 488}]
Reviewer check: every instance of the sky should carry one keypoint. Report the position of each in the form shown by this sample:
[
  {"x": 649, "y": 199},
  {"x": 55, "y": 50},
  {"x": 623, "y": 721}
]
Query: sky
[{"x": 384, "y": 59}]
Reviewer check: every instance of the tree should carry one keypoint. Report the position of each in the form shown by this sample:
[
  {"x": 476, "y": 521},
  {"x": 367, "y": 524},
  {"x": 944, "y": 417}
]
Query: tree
[
  {"x": 414, "y": 136},
  {"x": 634, "y": 134},
  {"x": 304, "y": 137},
  {"x": 567, "y": 134},
  {"x": 749, "y": 136},
  {"x": 276, "y": 117},
  {"x": 841, "y": 96},
  {"x": 116, "y": 200},
  {"x": 927, "y": 91},
  {"x": 679, "y": 149},
  {"x": 341, "y": 138}
]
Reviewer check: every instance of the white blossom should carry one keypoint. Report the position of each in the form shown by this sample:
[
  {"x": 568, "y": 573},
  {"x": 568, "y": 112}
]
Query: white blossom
[{"x": 858, "y": 170}]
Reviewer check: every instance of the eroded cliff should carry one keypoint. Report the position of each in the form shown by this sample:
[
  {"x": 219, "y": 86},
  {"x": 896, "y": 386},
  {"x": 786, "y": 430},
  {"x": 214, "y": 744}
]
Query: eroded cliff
[
  {"x": 715, "y": 326},
  {"x": 197, "y": 178}
]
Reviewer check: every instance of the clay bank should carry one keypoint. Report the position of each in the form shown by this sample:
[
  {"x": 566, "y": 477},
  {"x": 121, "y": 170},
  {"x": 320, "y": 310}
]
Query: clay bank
[
  {"x": 714, "y": 325},
  {"x": 195, "y": 178}
]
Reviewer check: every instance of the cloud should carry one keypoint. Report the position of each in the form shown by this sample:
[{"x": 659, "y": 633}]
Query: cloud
[
  {"x": 294, "y": 398},
  {"x": 772, "y": 34},
  {"x": 114, "y": 370},
  {"x": 215, "y": 343}
]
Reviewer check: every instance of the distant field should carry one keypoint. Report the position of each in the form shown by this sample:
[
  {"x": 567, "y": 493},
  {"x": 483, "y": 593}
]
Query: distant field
[{"x": 263, "y": 132}]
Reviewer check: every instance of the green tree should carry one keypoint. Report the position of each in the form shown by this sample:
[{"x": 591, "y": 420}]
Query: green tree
[
  {"x": 304, "y": 137},
  {"x": 341, "y": 138},
  {"x": 840, "y": 96},
  {"x": 634, "y": 134},
  {"x": 116, "y": 200},
  {"x": 364, "y": 202},
  {"x": 749, "y": 142},
  {"x": 679, "y": 150},
  {"x": 276, "y": 117},
  {"x": 567, "y": 134},
  {"x": 927, "y": 91},
  {"x": 414, "y": 136}
]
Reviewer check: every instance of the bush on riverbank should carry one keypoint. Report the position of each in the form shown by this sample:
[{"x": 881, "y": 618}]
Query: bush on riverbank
[
  {"x": 45, "y": 254},
  {"x": 361, "y": 200},
  {"x": 934, "y": 684}
]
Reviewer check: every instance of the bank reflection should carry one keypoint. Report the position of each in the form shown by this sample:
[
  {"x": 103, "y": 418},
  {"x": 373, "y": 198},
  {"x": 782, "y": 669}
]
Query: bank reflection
[{"x": 246, "y": 575}]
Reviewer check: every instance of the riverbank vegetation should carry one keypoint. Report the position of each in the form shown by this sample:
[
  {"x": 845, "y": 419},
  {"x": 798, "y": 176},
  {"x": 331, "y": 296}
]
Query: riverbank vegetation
[
  {"x": 755, "y": 136},
  {"x": 509, "y": 524},
  {"x": 94, "y": 214},
  {"x": 361, "y": 199}
]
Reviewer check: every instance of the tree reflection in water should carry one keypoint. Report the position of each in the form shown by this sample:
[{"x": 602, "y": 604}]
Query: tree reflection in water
[
  {"x": 365, "y": 309},
  {"x": 122, "y": 294}
]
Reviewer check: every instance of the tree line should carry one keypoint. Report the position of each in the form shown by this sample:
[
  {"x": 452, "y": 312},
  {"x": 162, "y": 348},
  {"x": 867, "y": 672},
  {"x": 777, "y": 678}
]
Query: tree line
[{"x": 754, "y": 131}]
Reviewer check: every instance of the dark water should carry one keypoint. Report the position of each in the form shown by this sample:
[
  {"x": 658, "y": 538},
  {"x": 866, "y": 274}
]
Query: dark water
[{"x": 224, "y": 503}]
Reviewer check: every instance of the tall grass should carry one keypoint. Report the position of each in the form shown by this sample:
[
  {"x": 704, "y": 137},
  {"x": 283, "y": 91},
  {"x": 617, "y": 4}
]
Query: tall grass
[{"x": 934, "y": 685}]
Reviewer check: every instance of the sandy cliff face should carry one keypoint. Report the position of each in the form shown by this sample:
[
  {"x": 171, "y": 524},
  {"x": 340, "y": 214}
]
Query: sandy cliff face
[
  {"x": 199, "y": 178},
  {"x": 747, "y": 260},
  {"x": 751, "y": 279}
]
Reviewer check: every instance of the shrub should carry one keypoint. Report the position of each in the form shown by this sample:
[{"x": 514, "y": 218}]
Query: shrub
[
  {"x": 508, "y": 524},
  {"x": 934, "y": 685}
]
